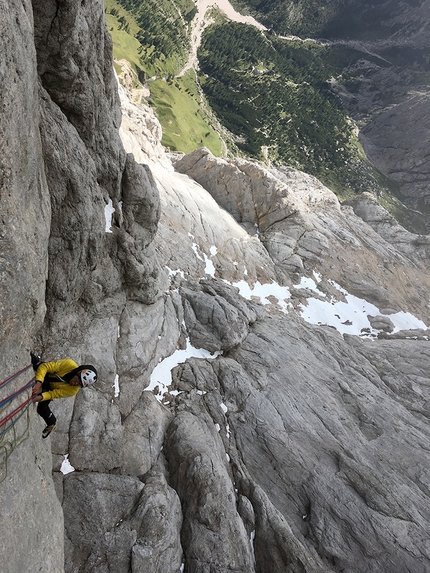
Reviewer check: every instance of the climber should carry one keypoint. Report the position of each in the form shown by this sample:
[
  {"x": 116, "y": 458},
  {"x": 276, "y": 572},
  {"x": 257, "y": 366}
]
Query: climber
[{"x": 59, "y": 379}]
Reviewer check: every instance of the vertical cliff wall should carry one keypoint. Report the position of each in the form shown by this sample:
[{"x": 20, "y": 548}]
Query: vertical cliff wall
[
  {"x": 61, "y": 164},
  {"x": 262, "y": 402},
  {"x": 32, "y": 520}
]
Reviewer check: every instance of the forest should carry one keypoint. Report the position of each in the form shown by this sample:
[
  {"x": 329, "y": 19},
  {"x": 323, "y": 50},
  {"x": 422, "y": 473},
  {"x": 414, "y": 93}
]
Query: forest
[
  {"x": 274, "y": 95},
  {"x": 163, "y": 32}
]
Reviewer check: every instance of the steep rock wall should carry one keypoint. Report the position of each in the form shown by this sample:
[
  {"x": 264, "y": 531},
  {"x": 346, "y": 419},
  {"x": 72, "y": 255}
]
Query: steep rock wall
[
  {"x": 29, "y": 505},
  {"x": 62, "y": 163},
  {"x": 228, "y": 431}
]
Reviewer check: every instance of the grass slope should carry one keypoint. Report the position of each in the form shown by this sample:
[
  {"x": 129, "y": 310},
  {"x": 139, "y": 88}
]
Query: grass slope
[
  {"x": 185, "y": 126},
  {"x": 123, "y": 29},
  {"x": 177, "y": 101}
]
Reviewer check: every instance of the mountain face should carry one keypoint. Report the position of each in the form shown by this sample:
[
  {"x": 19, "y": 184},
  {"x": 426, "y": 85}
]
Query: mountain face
[
  {"x": 384, "y": 81},
  {"x": 348, "y": 19},
  {"x": 262, "y": 349}
]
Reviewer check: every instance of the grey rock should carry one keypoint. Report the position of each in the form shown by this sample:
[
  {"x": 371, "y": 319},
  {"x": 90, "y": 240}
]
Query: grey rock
[
  {"x": 158, "y": 548},
  {"x": 143, "y": 435},
  {"x": 296, "y": 448},
  {"x": 96, "y": 506},
  {"x": 96, "y": 433},
  {"x": 28, "y": 500},
  {"x": 389, "y": 101},
  {"x": 214, "y": 537},
  {"x": 27, "y": 494},
  {"x": 414, "y": 246},
  {"x": 381, "y": 323},
  {"x": 215, "y": 318}
]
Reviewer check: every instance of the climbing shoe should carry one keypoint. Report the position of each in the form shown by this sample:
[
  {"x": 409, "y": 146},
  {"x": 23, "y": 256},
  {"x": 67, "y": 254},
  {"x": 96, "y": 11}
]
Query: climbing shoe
[{"x": 48, "y": 430}]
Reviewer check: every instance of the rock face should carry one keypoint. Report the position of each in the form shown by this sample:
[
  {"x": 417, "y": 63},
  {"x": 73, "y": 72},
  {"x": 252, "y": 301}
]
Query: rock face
[
  {"x": 27, "y": 498},
  {"x": 386, "y": 92},
  {"x": 262, "y": 402}
]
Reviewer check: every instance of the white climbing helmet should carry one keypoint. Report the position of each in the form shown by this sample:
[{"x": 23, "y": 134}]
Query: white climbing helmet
[{"x": 88, "y": 377}]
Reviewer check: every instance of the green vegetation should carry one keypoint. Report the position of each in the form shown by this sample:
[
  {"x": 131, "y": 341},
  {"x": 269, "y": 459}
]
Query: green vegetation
[
  {"x": 274, "y": 95},
  {"x": 299, "y": 17},
  {"x": 185, "y": 126},
  {"x": 123, "y": 30},
  {"x": 271, "y": 94},
  {"x": 186, "y": 123},
  {"x": 152, "y": 35}
]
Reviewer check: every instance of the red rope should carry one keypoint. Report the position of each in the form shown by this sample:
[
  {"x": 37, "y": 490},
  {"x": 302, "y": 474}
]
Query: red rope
[
  {"x": 9, "y": 417},
  {"x": 14, "y": 376},
  {"x": 15, "y": 394}
]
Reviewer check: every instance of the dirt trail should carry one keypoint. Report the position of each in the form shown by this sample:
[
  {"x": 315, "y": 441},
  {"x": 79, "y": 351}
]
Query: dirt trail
[{"x": 200, "y": 22}]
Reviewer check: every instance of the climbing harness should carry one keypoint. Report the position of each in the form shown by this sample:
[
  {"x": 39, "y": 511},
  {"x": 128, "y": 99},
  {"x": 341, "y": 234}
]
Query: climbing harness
[{"x": 11, "y": 440}]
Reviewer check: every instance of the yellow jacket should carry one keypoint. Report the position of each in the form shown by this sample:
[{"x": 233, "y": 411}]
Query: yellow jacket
[{"x": 60, "y": 388}]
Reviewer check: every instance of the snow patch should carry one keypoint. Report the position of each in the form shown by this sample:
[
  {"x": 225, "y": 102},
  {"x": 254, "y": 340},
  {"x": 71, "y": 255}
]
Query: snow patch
[
  {"x": 66, "y": 466},
  {"x": 109, "y": 211},
  {"x": 116, "y": 385},
  {"x": 162, "y": 374},
  {"x": 173, "y": 273},
  {"x": 263, "y": 292},
  {"x": 351, "y": 317}
]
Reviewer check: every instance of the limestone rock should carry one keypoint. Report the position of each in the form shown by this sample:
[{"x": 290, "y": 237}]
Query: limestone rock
[
  {"x": 143, "y": 435},
  {"x": 158, "y": 547},
  {"x": 381, "y": 323},
  {"x": 215, "y": 318},
  {"x": 140, "y": 129},
  {"x": 226, "y": 432},
  {"x": 213, "y": 533},
  {"x": 96, "y": 506},
  {"x": 414, "y": 246}
]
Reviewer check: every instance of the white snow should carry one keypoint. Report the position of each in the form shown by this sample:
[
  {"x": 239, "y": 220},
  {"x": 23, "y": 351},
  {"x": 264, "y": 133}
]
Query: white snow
[
  {"x": 263, "y": 292},
  {"x": 224, "y": 408},
  {"x": 307, "y": 282},
  {"x": 351, "y": 317},
  {"x": 109, "y": 211},
  {"x": 173, "y": 273},
  {"x": 66, "y": 466},
  {"x": 209, "y": 268},
  {"x": 406, "y": 321},
  {"x": 195, "y": 248},
  {"x": 347, "y": 317},
  {"x": 162, "y": 373},
  {"x": 116, "y": 385}
]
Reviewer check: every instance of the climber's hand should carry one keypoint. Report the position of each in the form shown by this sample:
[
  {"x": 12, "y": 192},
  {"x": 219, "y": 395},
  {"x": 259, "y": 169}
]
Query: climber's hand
[{"x": 36, "y": 388}]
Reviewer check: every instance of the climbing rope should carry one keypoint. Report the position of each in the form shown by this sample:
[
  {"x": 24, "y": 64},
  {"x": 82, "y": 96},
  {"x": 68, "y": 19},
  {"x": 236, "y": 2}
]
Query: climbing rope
[
  {"x": 6, "y": 382},
  {"x": 9, "y": 421},
  {"x": 24, "y": 406},
  {"x": 15, "y": 394}
]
